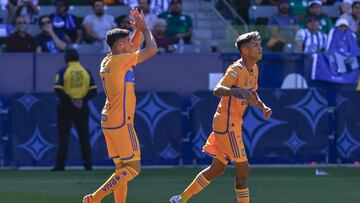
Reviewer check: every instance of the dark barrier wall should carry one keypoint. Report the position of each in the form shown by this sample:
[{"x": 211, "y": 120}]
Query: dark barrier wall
[
  {"x": 298, "y": 131},
  {"x": 182, "y": 73},
  {"x": 16, "y": 73},
  {"x": 348, "y": 126},
  {"x": 34, "y": 137},
  {"x": 179, "y": 73}
]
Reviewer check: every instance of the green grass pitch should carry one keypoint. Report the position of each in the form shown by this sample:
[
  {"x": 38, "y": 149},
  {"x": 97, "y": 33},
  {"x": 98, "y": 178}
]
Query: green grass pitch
[{"x": 267, "y": 185}]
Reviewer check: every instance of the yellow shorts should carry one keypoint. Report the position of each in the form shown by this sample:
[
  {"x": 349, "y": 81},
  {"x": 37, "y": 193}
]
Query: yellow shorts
[
  {"x": 226, "y": 147},
  {"x": 122, "y": 144}
]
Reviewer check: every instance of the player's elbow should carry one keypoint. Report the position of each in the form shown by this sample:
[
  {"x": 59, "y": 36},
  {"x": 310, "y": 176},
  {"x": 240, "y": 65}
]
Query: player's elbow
[
  {"x": 153, "y": 50},
  {"x": 217, "y": 92}
]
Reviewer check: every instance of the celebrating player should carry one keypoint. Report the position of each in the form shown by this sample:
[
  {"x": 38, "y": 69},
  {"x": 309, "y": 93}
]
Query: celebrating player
[
  {"x": 237, "y": 90},
  {"x": 117, "y": 117}
]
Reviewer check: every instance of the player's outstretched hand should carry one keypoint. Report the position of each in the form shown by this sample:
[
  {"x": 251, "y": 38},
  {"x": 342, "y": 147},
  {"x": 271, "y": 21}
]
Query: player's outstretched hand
[
  {"x": 267, "y": 113},
  {"x": 138, "y": 21}
]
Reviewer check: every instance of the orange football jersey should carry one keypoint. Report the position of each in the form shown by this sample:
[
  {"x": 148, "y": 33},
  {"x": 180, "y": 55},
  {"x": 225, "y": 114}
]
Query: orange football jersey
[
  {"x": 118, "y": 80},
  {"x": 231, "y": 108}
]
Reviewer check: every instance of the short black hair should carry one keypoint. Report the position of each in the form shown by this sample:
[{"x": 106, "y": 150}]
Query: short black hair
[
  {"x": 65, "y": 2},
  {"x": 246, "y": 38},
  {"x": 112, "y": 36},
  {"x": 94, "y": 1},
  {"x": 41, "y": 18},
  {"x": 355, "y": 3},
  {"x": 71, "y": 55}
]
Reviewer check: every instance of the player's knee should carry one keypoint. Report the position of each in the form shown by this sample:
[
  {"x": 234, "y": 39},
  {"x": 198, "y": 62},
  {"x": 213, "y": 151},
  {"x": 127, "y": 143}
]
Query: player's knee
[
  {"x": 220, "y": 171},
  {"x": 217, "y": 170}
]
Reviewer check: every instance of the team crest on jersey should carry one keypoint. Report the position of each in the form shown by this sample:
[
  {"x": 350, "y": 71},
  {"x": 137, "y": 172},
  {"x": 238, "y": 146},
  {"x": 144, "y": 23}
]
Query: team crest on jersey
[
  {"x": 103, "y": 118},
  {"x": 234, "y": 73}
]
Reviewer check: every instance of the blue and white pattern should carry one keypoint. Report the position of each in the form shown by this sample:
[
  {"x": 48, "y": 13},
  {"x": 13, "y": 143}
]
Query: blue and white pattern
[
  {"x": 313, "y": 106},
  {"x": 346, "y": 144},
  {"x": 195, "y": 100},
  {"x": 27, "y": 101},
  {"x": 37, "y": 146},
  {"x": 278, "y": 93},
  {"x": 198, "y": 142},
  {"x": 294, "y": 143},
  {"x": 255, "y": 127},
  {"x": 152, "y": 109},
  {"x": 340, "y": 100},
  {"x": 169, "y": 152}
]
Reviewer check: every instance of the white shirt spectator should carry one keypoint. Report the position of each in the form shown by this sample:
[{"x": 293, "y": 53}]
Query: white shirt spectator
[
  {"x": 151, "y": 20},
  {"x": 311, "y": 42},
  {"x": 352, "y": 23},
  {"x": 3, "y": 4},
  {"x": 131, "y": 3},
  {"x": 100, "y": 25},
  {"x": 159, "y": 6},
  {"x": 28, "y": 11}
]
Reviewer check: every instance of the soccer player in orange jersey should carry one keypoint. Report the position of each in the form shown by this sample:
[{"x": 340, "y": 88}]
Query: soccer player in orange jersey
[
  {"x": 117, "y": 117},
  {"x": 237, "y": 89}
]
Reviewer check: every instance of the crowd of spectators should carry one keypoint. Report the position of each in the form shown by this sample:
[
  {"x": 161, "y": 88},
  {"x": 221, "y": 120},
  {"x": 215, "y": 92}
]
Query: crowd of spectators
[
  {"x": 63, "y": 29},
  {"x": 300, "y": 25}
]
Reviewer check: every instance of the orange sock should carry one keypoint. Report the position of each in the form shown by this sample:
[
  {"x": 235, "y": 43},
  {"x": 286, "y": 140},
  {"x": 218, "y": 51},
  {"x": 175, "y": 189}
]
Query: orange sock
[
  {"x": 242, "y": 195},
  {"x": 116, "y": 180},
  {"x": 198, "y": 184},
  {"x": 120, "y": 194}
]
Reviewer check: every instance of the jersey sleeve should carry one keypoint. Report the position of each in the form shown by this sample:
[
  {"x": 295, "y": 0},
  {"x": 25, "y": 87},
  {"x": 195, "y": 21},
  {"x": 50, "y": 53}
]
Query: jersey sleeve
[
  {"x": 130, "y": 59},
  {"x": 255, "y": 87},
  {"x": 230, "y": 77}
]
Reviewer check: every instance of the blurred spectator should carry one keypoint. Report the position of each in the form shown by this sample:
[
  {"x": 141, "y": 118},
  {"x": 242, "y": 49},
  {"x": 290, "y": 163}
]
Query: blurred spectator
[
  {"x": 342, "y": 40},
  {"x": 164, "y": 43},
  {"x": 27, "y": 8},
  {"x": 325, "y": 22},
  {"x": 96, "y": 25},
  {"x": 49, "y": 40},
  {"x": 20, "y": 40},
  {"x": 358, "y": 86},
  {"x": 310, "y": 39},
  {"x": 353, "y": 18},
  {"x": 112, "y": 2},
  {"x": 123, "y": 22},
  {"x": 10, "y": 11},
  {"x": 283, "y": 27},
  {"x": 345, "y": 6},
  {"x": 179, "y": 25},
  {"x": 74, "y": 86},
  {"x": 66, "y": 23},
  {"x": 159, "y": 6},
  {"x": 150, "y": 18},
  {"x": 298, "y": 7}
]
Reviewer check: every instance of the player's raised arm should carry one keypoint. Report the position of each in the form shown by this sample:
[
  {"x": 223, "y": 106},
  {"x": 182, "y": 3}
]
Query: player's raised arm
[
  {"x": 136, "y": 38},
  {"x": 150, "y": 48}
]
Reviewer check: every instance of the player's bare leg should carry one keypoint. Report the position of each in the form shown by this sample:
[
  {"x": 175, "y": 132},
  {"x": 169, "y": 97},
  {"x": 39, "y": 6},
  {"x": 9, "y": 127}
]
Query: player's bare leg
[
  {"x": 203, "y": 179},
  {"x": 242, "y": 170}
]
